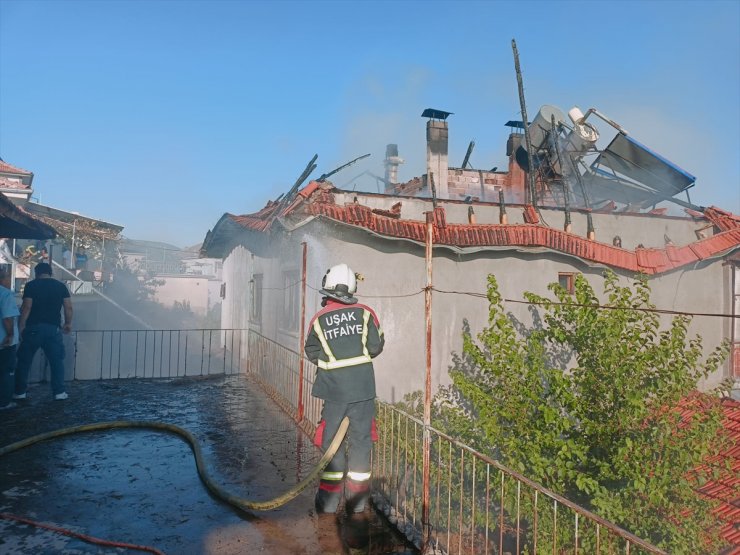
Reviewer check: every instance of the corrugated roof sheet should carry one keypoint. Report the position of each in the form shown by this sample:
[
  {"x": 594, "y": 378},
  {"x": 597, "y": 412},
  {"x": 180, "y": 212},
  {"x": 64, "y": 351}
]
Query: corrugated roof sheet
[{"x": 16, "y": 223}]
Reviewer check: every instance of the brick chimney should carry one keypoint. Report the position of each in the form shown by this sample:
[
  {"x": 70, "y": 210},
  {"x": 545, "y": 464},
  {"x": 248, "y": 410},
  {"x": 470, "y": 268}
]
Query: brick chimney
[{"x": 437, "y": 141}]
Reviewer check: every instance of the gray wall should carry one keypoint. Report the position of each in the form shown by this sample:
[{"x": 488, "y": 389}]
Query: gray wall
[{"x": 395, "y": 275}]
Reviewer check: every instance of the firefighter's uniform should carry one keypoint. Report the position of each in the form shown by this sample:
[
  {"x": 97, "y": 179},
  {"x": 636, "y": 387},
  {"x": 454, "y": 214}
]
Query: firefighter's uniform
[{"x": 342, "y": 341}]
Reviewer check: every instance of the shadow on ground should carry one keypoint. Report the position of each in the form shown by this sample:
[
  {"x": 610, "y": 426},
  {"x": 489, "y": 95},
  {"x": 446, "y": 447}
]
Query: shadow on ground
[{"x": 142, "y": 486}]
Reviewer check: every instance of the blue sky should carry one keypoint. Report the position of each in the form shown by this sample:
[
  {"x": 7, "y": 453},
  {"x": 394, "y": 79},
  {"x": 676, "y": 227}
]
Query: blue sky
[{"x": 162, "y": 115}]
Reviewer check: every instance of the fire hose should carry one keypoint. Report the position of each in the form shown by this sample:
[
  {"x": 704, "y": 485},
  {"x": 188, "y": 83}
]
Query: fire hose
[{"x": 219, "y": 492}]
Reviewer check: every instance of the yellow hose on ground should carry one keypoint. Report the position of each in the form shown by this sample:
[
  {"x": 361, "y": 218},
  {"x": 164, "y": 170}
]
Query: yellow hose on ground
[{"x": 218, "y": 491}]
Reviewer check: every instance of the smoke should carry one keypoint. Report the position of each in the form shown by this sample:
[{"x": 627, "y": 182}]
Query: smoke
[{"x": 377, "y": 113}]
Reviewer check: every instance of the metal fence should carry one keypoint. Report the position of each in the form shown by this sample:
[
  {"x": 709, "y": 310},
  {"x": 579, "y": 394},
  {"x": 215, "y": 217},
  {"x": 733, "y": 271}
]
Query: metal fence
[
  {"x": 277, "y": 368},
  {"x": 116, "y": 354},
  {"x": 477, "y": 506}
]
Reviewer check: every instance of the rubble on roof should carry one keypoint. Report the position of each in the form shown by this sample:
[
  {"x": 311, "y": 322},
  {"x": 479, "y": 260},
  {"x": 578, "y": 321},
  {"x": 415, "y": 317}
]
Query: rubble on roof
[{"x": 316, "y": 200}]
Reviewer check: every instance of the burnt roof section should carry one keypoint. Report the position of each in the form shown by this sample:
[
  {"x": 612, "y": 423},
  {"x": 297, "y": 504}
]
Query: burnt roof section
[
  {"x": 317, "y": 200},
  {"x": 435, "y": 114}
]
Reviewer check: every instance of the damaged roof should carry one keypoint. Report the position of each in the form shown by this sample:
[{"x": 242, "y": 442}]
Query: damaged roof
[{"x": 317, "y": 200}]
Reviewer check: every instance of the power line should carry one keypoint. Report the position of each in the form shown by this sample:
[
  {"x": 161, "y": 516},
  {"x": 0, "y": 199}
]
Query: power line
[
  {"x": 536, "y": 303},
  {"x": 597, "y": 306}
]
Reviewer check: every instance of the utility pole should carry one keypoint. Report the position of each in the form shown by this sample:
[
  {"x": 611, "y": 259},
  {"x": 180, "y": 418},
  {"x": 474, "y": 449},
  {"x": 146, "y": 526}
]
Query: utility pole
[
  {"x": 425, "y": 504},
  {"x": 301, "y": 358}
]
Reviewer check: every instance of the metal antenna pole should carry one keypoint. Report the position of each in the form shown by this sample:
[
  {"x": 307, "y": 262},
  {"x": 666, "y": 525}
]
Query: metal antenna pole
[
  {"x": 531, "y": 195},
  {"x": 556, "y": 146}
]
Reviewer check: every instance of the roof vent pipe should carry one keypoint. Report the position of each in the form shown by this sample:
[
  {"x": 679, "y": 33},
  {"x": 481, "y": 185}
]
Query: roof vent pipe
[
  {"x": 590, "y": 231},
  {"x": 502, "y": 217},
  {"x": 392, "y": 161}
]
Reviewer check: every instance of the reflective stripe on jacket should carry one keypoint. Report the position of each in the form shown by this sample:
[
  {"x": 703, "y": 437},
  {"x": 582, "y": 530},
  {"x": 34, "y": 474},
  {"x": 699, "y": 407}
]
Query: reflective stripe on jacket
[{"x": 342, "y": 341}]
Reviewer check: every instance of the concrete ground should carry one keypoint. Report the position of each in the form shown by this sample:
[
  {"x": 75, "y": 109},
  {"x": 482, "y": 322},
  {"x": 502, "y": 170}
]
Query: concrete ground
[{"x": 142, "y": 487}]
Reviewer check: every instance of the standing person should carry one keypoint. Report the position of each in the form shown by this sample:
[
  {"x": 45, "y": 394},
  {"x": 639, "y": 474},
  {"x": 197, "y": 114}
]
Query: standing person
[
  {"x": 41, "y": 327},
  {"x": 344, "y": 337},
  {"x": 81, "y": 259},
  {"x": 8, "y": 340},
  {"x": 67, "y": 258}
]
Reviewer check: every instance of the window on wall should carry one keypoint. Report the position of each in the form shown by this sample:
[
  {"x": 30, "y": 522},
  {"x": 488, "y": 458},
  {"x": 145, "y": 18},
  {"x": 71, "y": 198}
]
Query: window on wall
[
  {"x": 255, "y": 310},
  {"x": 291, "y": 300},
  {"x": 567, "y": 281}
]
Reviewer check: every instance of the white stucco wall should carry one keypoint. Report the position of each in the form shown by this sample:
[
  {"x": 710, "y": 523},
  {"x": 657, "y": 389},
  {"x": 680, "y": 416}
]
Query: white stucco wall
[
  {"x": 185, "y": 288},
  {"x": 395, "y": 275}
]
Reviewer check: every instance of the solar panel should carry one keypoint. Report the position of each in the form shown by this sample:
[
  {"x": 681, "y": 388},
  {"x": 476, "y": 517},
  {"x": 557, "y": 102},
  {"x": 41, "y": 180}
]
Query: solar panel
[{"x": 628, "y": 171}]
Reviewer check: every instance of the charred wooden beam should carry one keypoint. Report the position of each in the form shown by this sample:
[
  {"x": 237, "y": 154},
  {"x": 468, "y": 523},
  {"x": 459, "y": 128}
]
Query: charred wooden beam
[
  {"x": 340, "y": 168},
  {"x": 530, "y": 192},
  {"x": 466, "y": 160}
]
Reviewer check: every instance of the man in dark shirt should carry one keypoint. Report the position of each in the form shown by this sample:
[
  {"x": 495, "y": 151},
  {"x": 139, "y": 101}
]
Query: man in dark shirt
[{"x": 41, "y": 327}]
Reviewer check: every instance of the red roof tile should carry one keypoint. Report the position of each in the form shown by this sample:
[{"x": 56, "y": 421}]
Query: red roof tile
[
  {"x": 7, "y": 168},
  {"x": 317, "y": 200},
  {"x": 722, "y": 219},
  {"x": 725, "y": 488}
]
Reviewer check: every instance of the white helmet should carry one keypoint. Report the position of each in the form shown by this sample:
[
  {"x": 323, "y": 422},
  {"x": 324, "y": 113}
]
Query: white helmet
[{"x": 340, "y": 283}]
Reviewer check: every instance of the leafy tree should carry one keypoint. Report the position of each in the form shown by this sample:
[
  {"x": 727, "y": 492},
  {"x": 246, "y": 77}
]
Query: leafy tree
[{"x": 603, "y": 430}]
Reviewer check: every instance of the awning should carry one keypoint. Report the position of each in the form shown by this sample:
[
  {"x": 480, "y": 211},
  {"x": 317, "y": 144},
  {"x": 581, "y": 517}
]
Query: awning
[{"x": 17, "y": 224}]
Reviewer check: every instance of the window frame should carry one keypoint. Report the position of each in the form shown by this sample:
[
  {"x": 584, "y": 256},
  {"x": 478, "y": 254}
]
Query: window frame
[
  {"x": 570, "y": 281},
  {"x": 256, "y": 287},
  {"x": 290, "y": 310}
]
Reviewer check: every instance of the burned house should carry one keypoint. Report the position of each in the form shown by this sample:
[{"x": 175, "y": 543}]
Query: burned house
[{"x": 564, "y": 206}]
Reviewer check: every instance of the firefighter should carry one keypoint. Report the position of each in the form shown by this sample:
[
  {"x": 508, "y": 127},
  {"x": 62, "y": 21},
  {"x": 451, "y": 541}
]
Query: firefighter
[{"x": 343, "y": 338}]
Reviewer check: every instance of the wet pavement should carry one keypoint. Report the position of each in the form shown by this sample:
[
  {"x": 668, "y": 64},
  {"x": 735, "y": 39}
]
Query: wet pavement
[{"x": 141, "y": 486}]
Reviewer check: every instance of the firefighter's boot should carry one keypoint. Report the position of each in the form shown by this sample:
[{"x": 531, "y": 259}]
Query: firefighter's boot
[
  {"x": 328, "y": 496},
  {"x": 357, "y": 491}
]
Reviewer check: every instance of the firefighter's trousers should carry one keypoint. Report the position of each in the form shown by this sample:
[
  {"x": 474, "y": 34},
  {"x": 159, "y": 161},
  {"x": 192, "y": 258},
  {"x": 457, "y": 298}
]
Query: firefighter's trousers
[{"x": 355, "y": 467}]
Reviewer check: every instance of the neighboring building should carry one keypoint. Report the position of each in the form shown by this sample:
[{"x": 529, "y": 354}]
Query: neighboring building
[
  {"x": 16, "y": 223},
  {"x": 483, "y": 224},
  {"x": 99, "y": 240},
  {"x": 152, "y": 257},
  {"x": 198, "y": 293},
  {"x": 180, "y": 278},
  {"x": 15, "y": 183},
  {"x": 73, "y": 230}
]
